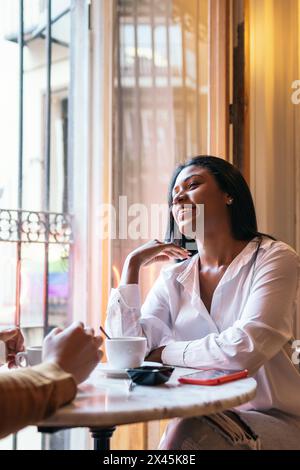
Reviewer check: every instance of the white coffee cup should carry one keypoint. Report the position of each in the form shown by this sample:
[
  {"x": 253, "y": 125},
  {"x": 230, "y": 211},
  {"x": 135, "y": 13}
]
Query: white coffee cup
[
  {"x": 126, "y": 352},
  {"x": 31, "y": 357}
]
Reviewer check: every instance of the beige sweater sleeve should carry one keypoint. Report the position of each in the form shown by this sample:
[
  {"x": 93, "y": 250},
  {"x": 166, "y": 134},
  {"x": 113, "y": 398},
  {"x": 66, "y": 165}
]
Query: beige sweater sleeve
[{"x": 30, "y": 395}]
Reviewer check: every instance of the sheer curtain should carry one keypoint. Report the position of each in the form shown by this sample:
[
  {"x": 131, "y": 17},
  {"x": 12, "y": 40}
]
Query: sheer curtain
[{"x": 161, "y": 106}]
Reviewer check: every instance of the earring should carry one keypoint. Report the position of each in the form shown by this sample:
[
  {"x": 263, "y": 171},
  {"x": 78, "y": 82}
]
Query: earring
[{"x": 230, "y": 201}]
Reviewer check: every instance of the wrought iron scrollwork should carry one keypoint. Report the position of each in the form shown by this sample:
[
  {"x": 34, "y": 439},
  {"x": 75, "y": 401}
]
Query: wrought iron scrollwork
[{"x": 35, "y": 227}]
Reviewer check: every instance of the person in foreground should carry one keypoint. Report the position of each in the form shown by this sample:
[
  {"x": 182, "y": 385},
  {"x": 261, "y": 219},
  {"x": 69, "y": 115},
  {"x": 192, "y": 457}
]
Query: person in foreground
[
  {"x": 32, "y": 394},
  {"x": 232, "y": 305}
]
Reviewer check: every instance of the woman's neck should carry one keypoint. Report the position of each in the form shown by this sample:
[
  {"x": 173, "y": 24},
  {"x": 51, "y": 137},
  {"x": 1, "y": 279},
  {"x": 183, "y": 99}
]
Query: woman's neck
[{"x": 219, "y": 250}]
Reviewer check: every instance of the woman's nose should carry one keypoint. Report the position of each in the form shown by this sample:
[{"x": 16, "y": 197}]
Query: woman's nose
[{"x": 179, "y": 197}]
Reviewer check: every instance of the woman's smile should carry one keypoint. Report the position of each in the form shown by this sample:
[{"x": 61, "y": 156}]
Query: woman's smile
[{"x": 185, "y": 213}]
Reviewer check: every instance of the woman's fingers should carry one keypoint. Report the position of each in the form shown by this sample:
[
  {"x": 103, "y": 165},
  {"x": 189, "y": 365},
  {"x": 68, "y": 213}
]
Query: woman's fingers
[
  {"x": 170, "y": 245},
  {"x": 177, "y": 253},
  {"x": 163, "y": 257},
  {"x": 156, "y": 250},
  {"x": 174, "y": 247},
  {"x": 157, "y": 259},
  {"x": 168, "y": 251}
]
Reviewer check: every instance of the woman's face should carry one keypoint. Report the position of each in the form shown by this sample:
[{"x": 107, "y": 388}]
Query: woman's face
[{"x": 195, "y": 185}]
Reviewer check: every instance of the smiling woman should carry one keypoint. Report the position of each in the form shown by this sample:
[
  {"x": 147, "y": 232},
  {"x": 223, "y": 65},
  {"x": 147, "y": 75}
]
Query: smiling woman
[{"x": 230, "y": 306}]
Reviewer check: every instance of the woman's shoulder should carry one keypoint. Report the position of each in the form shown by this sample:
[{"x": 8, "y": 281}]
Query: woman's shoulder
[{"x": 277, "y": 249}]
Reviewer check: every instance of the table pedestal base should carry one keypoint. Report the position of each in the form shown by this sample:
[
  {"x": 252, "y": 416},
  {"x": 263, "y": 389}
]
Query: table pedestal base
[{"x": 102, "y": 437}]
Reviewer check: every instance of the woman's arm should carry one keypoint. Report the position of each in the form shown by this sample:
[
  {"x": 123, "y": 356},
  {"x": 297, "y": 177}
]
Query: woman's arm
[
  {"x": 147, "y": 254},
  {"x": 130, "y": 271},
  {"x": 125, "y": 314}
]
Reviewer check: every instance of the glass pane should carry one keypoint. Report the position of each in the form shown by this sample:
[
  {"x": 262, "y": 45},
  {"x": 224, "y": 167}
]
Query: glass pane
[
  {"x": 32, "y": 285},
  {"x": 9, "y": 83},
  {"x": 59, "y": 6},
  {"x": 61, "y": 28},
  {"x": 60, "y": 78},
  {"x": 29, "y": 439},
  {"x": 58, "y": 285},
  {"x": 33, "y": 15},
  {"x": 8, "y": 276},
  {"x": 34, "y": 91}
]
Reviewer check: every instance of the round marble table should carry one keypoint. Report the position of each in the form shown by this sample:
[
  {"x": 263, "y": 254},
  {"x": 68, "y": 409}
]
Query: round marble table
[{"x": 103, "y": 403}]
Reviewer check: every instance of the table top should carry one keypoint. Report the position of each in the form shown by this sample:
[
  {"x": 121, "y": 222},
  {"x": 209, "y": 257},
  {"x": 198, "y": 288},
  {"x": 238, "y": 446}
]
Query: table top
[{"x": 105, "y": 402}]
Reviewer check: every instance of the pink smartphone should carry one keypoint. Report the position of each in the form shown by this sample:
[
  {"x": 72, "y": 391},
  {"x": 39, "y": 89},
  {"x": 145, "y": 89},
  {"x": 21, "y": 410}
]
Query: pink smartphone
[{"x": 213, "y": 376}]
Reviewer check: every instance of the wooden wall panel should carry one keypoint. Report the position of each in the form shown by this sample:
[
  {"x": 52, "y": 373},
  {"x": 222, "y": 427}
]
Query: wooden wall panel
[{"x": 130, "y": 437}]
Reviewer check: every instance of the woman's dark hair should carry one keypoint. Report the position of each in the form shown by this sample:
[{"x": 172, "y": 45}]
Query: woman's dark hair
[{"x": 231, "y": 181}]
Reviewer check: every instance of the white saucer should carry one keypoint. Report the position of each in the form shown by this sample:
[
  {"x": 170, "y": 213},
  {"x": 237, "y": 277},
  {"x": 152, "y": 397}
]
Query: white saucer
[{"x": 107, "y": 370}]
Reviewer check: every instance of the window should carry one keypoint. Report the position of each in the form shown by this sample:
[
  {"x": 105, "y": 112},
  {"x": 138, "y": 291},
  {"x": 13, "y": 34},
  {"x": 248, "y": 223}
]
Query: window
[
  {"x": 35, "y": 224},
  {"x": 36, "y": 170}
]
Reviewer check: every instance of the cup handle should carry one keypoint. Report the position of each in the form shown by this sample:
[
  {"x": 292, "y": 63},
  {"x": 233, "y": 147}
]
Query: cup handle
[{"x": 20, "y": 357}]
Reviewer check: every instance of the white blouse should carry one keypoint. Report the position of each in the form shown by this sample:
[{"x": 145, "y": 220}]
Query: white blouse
[{"x": 251, "y": 322}]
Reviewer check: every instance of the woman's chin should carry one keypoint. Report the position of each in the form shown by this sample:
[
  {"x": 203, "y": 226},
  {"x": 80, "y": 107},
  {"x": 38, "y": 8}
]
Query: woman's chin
[
  {"x": 189, "y": 229},
  {"x": 188, "y": 233}
]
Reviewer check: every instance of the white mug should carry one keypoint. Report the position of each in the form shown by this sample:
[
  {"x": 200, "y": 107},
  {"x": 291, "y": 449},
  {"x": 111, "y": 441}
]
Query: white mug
[
  {"x": 31, "y": 357},
  {"x": 126, "y": 352}
]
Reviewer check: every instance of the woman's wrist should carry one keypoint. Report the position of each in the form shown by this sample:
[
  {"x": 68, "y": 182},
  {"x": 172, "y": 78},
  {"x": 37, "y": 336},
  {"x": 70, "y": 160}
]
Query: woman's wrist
[
  {"x": 156, "y": 355},
  {"x": 131, "y": 270}
]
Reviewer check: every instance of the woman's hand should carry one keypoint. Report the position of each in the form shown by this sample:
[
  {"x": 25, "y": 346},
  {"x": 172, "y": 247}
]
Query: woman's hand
[
  {"x": 155, "y": 250},
  {"x": 155, "y": 355},
  {"x": 149, "y": 253},
  {"x": 14, "y": 342}
]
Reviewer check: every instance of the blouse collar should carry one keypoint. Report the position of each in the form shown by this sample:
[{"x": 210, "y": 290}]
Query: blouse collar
[{"x": 187, "y": 275}]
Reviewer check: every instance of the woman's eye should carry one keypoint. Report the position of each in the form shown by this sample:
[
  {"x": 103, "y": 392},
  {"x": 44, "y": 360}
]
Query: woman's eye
[{"x": 192, "y": 185}]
